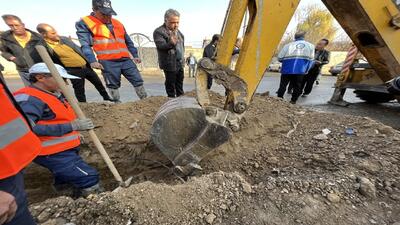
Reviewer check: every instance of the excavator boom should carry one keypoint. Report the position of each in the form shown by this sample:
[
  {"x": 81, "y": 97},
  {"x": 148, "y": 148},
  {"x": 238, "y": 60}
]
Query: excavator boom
[{"x": 373, "y": 26}]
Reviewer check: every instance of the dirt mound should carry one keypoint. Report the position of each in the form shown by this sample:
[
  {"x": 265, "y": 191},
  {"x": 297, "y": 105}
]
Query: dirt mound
[
  {"x": 278, "y": 169},
  {"x": 204, "y": 198}
]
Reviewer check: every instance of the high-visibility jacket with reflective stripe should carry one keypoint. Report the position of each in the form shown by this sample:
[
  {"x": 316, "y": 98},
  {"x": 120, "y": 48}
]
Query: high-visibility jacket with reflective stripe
[
  {"x": 63, "y": 114},
  {"x": 18, "y": 144},
  {"x": 297, "y": 57},
  {"x": 106, "y": 45}
]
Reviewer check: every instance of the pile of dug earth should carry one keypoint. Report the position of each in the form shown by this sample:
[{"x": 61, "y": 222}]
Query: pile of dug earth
[{"x": 287, "y": 165}]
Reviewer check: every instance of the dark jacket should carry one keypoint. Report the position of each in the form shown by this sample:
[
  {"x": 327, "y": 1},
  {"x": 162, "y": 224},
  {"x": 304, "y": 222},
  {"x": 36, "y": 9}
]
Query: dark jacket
[
  {"x": 322, "y": 56},
  {"x": 71, "y": 44},
  {"x": 167, "y": 57},
  {"x": 209, "y": 51},
  {"x": 26, "y": 57},
  {"x": 1, "y": 74}
]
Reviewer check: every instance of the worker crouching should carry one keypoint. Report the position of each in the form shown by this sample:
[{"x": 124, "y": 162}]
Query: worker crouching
[{"x": 57, "y": 126}]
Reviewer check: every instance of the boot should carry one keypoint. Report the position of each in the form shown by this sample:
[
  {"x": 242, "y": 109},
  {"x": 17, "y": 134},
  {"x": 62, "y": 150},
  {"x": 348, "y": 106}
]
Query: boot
[
  {"x": 141, "y": 92},
  {"x": 95, "y": 189},
  {"x": 64, "y": 189},
  {"x": 115, "y": 95}
]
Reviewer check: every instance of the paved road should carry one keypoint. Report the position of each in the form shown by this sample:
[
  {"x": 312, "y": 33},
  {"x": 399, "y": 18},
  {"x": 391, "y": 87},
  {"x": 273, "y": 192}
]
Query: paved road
[{"x": 388, "y": 113}]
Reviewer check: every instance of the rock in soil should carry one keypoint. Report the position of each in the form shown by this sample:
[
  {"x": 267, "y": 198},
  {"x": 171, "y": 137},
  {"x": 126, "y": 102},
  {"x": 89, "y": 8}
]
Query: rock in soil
[
  {"x": 367, "y": 188},
  {"x": 334, "y": 198}
]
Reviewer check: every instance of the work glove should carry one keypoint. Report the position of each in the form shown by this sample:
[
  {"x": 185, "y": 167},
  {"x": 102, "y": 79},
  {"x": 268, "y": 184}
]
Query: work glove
[
  {"x": 82, "y": 124},
  {"x": 82, "y": 139}
]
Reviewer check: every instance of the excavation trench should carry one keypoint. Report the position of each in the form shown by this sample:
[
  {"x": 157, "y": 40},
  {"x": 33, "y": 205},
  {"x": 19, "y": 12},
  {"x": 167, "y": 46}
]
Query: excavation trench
[{"x": 278, "y": 169}]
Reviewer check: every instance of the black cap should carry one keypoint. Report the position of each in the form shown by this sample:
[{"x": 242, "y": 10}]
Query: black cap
[{"x": 104, "y": 6}]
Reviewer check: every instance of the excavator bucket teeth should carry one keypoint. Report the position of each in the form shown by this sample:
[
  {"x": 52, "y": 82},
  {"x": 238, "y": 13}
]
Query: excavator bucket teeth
[{"x": 184, "y": 134}]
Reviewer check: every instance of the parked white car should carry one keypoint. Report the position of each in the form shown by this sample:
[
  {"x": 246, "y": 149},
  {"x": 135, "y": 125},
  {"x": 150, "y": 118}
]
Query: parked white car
[{"x": 275, "y": 67}]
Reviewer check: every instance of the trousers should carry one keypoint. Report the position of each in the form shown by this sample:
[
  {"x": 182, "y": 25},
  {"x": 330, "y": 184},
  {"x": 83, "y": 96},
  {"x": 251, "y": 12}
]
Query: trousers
[
  {"x": 79, "y": 84},
  {"x": 68, "y": 168},
  {"x": 309, "y": 80},
  {"x": 295, "y": 80},
  {"x": 15, "y": 186},
  {"x": 114, "y": 69},
  {"x": 192, "y": 70},
  {"x": 174, "y": 83}
]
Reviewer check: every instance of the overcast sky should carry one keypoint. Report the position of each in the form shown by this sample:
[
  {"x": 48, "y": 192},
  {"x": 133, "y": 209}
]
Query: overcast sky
[{"x": 199, "y": 18}]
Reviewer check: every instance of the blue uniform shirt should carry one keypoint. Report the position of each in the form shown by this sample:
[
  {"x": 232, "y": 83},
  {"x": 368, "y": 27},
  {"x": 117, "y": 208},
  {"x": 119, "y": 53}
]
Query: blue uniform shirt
[
  {"x": 36, "y": 110},
  {"x": 297, "y": 57}
]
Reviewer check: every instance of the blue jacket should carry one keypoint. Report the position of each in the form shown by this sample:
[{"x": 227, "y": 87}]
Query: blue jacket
[
  {"x": 85, "y": 38},
  {"x": 35, "y": 109},
  {"x": 297, "y": 57}
]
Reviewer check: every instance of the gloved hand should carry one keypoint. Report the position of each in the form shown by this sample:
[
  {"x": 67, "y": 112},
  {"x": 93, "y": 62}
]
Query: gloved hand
[
  {"x": 82, "y": 139},
  {"x": 82, "y": 124}
]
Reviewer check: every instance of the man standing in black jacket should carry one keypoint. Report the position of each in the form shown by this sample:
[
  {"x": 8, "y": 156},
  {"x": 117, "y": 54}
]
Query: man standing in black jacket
[
  {"x": 72, "y": 59},
  {"x": 170, "y": 45},
  {"x": 322, "y": 57},
  {"x": 1, "y": 72},
  {"x": 18, "y": 46},
  {"x": 209, "y": 52}
]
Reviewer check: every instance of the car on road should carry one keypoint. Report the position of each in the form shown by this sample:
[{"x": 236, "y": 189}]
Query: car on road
[
  {"x": 337, "y": 69},
  {"x": 275, "y": 67}
]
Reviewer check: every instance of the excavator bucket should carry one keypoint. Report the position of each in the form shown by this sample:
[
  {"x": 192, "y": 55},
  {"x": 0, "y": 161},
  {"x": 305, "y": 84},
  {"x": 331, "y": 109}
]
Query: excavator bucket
[
  {"x": 185, "y": 134},
  {"x": 187, "y": 129}
]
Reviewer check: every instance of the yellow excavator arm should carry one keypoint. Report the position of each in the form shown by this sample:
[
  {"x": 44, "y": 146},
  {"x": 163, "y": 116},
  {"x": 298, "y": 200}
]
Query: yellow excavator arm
[
  {"x": 373, "y": 26},
  {"x": 187, "y": 129},
  {"x": 267, "y": 23}
]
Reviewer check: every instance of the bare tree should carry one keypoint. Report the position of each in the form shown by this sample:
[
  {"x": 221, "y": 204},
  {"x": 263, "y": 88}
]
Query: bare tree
[
  {"x": 317, "y": 22},
  {"x": 342, "y": 42}
]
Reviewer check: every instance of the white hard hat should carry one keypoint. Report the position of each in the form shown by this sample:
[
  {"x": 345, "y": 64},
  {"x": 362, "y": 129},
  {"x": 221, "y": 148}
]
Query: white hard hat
[{"x": 42, "y": 68}]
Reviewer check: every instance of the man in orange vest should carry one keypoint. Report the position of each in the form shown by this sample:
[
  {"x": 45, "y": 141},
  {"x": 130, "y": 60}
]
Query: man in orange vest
[
  {"x": 18, "y": 147},
  {"x": 114, "y": 48},
  {"x": 57, "y": 126}
]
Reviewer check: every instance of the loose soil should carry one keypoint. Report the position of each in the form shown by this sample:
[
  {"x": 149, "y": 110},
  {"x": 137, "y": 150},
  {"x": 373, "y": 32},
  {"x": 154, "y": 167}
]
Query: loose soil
[{"x": 278, "y": 169}]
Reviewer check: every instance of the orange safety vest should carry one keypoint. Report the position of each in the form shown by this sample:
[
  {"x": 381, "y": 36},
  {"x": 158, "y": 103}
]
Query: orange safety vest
[
  {"x": 63, "y": 114},
  {"x": 18, "y": 144},
  {"x": 106, "y": 45}
]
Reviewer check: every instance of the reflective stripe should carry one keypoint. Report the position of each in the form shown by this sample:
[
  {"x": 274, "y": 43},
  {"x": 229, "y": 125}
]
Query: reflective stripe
[
  {"x": 82, "y": 171},
  {"x": 59, "y": 140},
  {"x": 105, "y": 52},
  {"x": 109, "y": 41},
  {"x": 12, "y": 131},
  {"x": 21, "y": 97},
  {"x": 105, "y": 41},
  {"x": 121, "y": 40}
]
